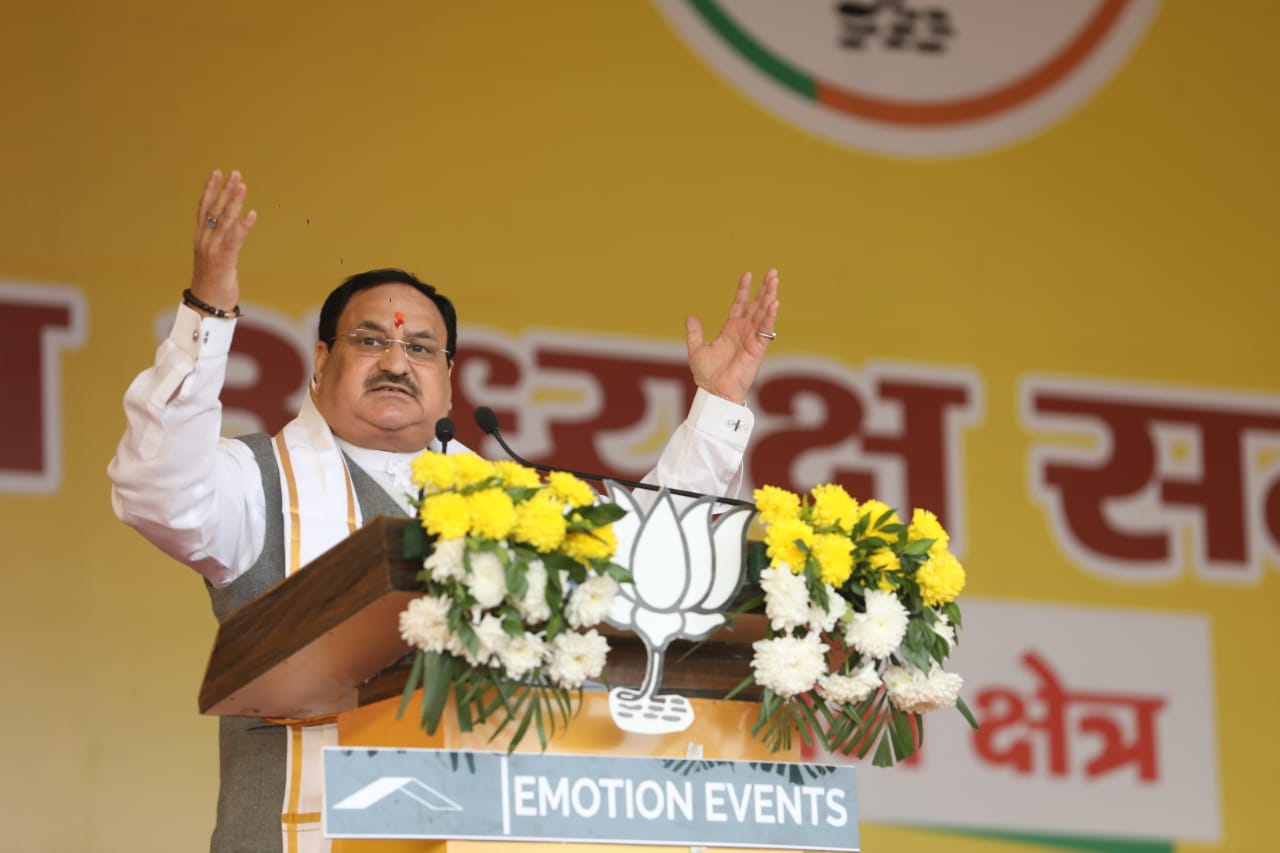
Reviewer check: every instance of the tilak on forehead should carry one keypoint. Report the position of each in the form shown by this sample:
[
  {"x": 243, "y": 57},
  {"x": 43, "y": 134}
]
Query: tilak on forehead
[{"x": 399, "y": 315}]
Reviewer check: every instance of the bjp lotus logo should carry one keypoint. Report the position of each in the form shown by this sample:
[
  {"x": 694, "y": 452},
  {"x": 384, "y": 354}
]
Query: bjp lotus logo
[{"x": 685, "y": 568}]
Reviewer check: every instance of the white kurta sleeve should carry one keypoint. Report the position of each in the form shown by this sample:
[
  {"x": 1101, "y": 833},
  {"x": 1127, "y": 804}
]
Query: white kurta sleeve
[
  {"x": 705, "y": 452},
  {"x": 195, "y": 495}
]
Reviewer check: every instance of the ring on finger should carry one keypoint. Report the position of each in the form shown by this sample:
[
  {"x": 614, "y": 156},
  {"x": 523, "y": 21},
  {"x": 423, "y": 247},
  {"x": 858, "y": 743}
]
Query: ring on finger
[
  {"x": 767, "y": 335},
  {"x": 211, "y": 222}
]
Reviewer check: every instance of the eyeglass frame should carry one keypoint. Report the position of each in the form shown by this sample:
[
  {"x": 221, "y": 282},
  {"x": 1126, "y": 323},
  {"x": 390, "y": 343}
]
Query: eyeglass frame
[{"x": 364, "y": 332}]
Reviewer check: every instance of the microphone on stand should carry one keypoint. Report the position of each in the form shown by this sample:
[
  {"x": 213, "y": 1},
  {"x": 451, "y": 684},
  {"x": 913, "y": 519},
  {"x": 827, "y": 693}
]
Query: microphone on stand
[
  {"x": 488, "y": 421},
  {"x": 444, "y": 433}
]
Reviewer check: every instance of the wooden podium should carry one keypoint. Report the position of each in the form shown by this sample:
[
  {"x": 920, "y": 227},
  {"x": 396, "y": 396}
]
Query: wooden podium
[{"x": 326, "y": 641}]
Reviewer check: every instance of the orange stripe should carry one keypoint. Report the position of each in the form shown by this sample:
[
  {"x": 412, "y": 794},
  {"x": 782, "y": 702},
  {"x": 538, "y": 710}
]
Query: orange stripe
[
  {"x": 299, "y": 819},
  {"x": 295, "y": 521},
  {"x": 289, "y": 818},
  {"x": 351, "y": 497}
]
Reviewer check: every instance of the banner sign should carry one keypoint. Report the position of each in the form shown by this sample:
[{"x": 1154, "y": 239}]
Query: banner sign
[{"x": 456, "y": 794}]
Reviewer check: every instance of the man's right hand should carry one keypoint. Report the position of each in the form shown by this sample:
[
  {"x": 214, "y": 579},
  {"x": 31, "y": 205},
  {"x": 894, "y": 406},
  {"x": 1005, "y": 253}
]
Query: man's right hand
[{"x": 220, "y": 232}]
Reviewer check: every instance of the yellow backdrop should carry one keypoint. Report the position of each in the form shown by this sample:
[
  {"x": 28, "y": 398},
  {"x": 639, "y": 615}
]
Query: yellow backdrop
[{"x": 574, "y": 165}]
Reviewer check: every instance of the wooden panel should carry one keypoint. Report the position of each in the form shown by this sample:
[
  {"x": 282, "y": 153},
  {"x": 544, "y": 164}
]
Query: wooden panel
[{"x": 303, "y": 647}]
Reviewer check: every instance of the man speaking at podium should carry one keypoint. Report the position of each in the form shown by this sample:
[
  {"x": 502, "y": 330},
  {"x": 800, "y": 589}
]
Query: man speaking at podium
[{"x": 247, "y": 512}]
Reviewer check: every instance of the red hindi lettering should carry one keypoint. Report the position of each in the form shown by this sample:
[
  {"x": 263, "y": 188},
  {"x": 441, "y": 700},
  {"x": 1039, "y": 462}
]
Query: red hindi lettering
[{"x": 35, "y": 321}]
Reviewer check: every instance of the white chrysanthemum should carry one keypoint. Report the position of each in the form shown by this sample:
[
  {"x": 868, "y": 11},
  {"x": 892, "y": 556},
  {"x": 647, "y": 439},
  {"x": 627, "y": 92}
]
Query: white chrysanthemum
[
  {"x": 944, "y": 629},
  {"x": 445, "y": 561},
  {"x": 913, "y": 692},
  {"x": 488, "y": 581},
  {"x": 825, "y": 620},
  {"x": 523, "y": 654},
  {"x": 424, "y": 624},
  {"x": 591, "y": 601},
  {"x": 577, "y": 657},
  {"x": 849, "y": 689},
  {"x": 493, "y": 641},
  {"x": 786, "y": 600},
  {"x": 879, "y": 630},
  {"x": 789, "y": 665},
  {"x": 533, "y": 606}
]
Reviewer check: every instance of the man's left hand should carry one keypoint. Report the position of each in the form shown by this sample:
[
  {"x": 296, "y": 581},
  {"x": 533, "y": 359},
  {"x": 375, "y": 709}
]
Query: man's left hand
[{"x": 727, "y": 365}]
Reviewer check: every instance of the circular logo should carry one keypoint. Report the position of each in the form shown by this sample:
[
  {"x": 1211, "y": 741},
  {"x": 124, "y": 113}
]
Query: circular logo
[{"x": 926, "y": 79}]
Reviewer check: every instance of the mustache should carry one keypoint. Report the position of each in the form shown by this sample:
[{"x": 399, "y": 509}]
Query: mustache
[{"x": 383, "y": 378}]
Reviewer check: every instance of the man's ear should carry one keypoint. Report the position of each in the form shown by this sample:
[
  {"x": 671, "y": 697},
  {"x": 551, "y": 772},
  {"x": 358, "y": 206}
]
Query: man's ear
[{"x": 321, "y": 356}]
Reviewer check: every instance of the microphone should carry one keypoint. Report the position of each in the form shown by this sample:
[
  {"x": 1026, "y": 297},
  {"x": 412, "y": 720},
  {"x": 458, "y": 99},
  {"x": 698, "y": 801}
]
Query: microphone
[
  {"x": 488, "y": 421},
  {"x": 444, "y": 433}
]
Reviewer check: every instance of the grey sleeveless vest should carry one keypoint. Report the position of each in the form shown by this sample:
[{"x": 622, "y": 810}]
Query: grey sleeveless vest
[{"x": 251, "y": 751}]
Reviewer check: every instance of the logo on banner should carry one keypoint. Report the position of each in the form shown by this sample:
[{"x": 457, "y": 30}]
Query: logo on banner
[
  {"x": 921, "y": 78},
  {"x": 385, "y": 786}
]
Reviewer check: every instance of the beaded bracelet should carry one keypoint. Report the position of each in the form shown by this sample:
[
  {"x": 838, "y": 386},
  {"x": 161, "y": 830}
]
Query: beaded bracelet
[{"x": 189, "y": 298}]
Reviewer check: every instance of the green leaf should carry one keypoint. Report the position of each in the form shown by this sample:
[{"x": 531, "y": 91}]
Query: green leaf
[
  {"x": 516, "y": 573},
  {"x": 918, "y": 547},
  {"x": 415, "y": 545},
  {"x": 415, "y": 675},
  {"x": 900, "y": 733},
  {"x": 601, "y": 514},
  {"x": 757, "y": 560},
  {"x": 613, "y": 570},
  {"x": 884, "y": 755},
  {"x": 742, "y": 685},
  {"x": 512, "y": 624},
  {"x": 968, "y": 715},
  {"x": 435, "y": 690},
  {"x": 557, "y": 562}
]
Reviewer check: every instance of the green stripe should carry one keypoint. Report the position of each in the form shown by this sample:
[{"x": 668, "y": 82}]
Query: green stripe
[{"x": 754, "y": 52}]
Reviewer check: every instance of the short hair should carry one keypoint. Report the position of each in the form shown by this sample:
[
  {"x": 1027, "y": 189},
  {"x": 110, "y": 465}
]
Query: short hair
[{"x": 338, "y": 299}]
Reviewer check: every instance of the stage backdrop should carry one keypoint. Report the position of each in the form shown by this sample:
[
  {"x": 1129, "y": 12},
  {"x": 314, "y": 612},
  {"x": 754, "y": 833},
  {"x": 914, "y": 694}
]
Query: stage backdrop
[{"x": 1028, "y": 281}]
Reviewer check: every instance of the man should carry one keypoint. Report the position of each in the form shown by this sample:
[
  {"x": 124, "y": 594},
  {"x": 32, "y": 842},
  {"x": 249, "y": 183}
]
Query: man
[{"x": 246, "y": 513}]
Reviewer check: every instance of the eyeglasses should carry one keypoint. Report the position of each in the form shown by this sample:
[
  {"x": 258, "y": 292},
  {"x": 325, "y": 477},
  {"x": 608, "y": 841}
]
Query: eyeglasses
[{"x": 375, "y": 344}]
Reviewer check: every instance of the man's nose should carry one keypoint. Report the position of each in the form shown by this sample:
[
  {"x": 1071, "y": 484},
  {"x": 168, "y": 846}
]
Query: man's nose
[{"x": 394, "y": 359}]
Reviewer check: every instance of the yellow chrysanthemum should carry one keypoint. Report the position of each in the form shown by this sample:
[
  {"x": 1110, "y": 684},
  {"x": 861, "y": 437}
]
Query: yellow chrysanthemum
[
  {"x": 540, "y": 522},
  {"x": 832, "y": 505},
  {"x": 516, "y": 476},
  {"x": 925, "y": 525},
  {"x": 433, "y": 471},
  {"x": 780, "y": 539},
  {"x": 775, "y": 505},
  {"x": 941, "y": 579},
  {"x": 471, "y": 469},
  {"x": 875, "y": 509},
  {"x": 835, "y": 559},
  {"x": 447, "y": 515},
  {"x": 884, "y": 560},
  {"x": 492, "y": 513},
  {"x": 599, "y": 544},
  {"x": 570, "y": 489}
]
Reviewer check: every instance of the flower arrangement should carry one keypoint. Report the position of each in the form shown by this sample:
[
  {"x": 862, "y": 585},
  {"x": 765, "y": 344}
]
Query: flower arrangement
[
  {"x": 516, "y": 572},
  {"x": 862, "y": 616}
]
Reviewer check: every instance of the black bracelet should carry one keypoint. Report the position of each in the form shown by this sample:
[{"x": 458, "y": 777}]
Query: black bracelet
[{"x": 189, "y": 298}]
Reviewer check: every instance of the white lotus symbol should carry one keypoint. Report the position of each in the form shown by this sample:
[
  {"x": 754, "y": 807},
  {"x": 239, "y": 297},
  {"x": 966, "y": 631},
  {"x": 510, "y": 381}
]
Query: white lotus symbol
[{"x": 685, "y": 569}]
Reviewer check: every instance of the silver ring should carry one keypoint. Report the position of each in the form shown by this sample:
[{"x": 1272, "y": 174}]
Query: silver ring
[
  {"x": 210, "y": 222},
  {"x": 767, "y": 335}
]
